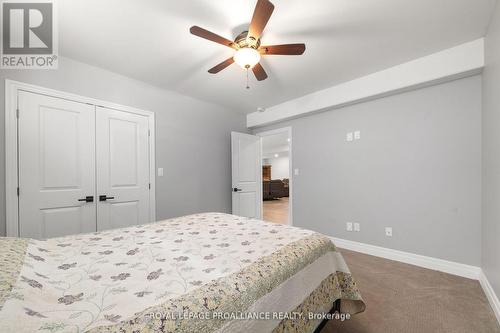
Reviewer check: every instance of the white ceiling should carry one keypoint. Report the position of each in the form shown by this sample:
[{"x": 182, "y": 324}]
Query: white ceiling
[
  {"x": 276, "y": 143},
  {"x": 149, "y": 40}
]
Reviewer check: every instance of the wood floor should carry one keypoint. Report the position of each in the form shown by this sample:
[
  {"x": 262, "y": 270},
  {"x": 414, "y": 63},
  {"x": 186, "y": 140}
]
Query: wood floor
[
  {"x": 276, "y": 211},
  {"x": 402, "y": 298}
]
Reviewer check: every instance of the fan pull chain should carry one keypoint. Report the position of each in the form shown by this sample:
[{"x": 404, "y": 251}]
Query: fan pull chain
[{"x": 248, "y": 87}]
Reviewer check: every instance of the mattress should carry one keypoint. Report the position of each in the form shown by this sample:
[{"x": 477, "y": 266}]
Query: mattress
[{"x": 212, "y": 272}]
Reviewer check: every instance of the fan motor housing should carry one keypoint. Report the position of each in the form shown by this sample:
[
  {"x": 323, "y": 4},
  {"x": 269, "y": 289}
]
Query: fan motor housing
[{"x": 242, "y": 41}]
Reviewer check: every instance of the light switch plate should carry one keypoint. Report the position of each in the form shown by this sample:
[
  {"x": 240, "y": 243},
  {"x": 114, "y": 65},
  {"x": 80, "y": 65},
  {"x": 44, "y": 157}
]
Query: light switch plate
[
  {"x": 357, "y": 135},
  {"x": 357, "y": 227},
  {"x": 160, "y": 172},
  {"x": 349, "y": 136},
  {"x": 296, "y": 172},
  {"x": 348, "y": 226}
]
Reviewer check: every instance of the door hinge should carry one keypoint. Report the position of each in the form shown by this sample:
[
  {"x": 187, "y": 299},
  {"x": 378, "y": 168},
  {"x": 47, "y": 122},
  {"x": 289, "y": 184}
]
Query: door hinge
[
  {"x": 149, "y": 185},
  {"x": 17, "y": 113},
  {"x": 18, "y": 191},
  {"x": 149, "y": 132}
]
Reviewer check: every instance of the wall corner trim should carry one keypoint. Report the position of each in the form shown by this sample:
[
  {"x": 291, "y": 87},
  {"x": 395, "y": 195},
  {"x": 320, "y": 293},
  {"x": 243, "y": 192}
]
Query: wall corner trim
[
  {"x": 457, "y": 62},
  {"x": 450, "y": 267},
  {"x": 490, "y": 295}
]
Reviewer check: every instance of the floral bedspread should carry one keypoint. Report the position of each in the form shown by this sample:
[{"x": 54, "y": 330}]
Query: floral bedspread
[{"x": 111, "y": 281}]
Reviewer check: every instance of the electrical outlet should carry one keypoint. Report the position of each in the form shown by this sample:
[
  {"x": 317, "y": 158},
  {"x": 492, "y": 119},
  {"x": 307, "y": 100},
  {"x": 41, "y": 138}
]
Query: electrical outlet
[
  {"x": 348, "y": 226},
  {"x": 388, "y": 231},
  {"x": 349, "y": 136},
  {"x": 357, "y": 135},
  {"x": 357, "y": 227}
]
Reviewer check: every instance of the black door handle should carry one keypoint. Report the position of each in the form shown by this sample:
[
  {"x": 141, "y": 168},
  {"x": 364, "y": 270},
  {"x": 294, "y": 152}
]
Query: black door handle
[
  {"x": 88, "y": 198},
  {"x": 237, "y": 189},
  {"x": 104, "y": 197}
]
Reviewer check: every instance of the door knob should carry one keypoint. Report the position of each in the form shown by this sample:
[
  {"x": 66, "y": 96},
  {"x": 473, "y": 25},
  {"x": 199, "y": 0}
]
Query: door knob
[
  {"x": 237, "y": 189},
  {"x": 88, "y": 198},
  {"x": 104, "y": 197}
]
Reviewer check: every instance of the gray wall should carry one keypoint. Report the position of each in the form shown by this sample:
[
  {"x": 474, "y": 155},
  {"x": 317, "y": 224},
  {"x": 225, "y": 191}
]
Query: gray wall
[
  {"x": 416, "y": 168},
  {"x": 491, "y": 155},
  {"x": 192, "y": 137}
]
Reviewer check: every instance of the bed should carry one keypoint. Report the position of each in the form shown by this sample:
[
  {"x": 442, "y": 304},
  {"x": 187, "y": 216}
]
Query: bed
[{"x": 208, "y": 272}]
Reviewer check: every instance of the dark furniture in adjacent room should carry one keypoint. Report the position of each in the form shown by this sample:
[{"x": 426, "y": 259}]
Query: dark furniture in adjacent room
[{"x": 275, "y": 189}]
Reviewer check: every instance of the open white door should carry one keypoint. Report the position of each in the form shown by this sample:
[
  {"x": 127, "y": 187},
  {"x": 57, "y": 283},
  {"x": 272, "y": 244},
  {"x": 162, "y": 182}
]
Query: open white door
[{"x": 246, "y": 175}]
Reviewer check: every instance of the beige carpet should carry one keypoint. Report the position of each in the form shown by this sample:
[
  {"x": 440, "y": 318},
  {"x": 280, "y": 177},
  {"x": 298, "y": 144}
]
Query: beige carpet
[{"x": 402, "y": 298}]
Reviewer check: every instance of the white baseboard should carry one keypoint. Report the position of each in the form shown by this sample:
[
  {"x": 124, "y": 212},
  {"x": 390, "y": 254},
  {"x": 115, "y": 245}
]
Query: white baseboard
[
  {"x": 490, "y": 294},
  {"x": 450, "y": 267},
  {"x": 455, "y": 268}
]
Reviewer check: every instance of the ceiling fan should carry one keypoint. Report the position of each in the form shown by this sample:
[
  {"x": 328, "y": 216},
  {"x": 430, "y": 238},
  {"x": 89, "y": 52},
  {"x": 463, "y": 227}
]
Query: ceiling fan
[{"x": 247, "y": 44}]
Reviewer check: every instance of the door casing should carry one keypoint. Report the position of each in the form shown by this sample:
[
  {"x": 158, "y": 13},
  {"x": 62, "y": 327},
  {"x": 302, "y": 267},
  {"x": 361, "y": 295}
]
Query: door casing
[{"x": 12, "y": 89}]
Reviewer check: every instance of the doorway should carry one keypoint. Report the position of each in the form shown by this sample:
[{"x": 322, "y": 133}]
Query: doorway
[{"x": 276, "y": 160}]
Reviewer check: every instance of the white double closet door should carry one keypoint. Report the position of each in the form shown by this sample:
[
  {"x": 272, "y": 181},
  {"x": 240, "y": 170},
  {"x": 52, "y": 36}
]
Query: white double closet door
[{"x": 82, "y": 168}]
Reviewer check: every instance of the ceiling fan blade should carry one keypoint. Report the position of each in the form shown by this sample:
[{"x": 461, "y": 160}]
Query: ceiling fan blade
[
  {"x": 261, "y": 15},
  {"x": 216, "y": 69},
  {"x": 286, "y": 49},
  {"x": 259, "y": 72},
  {"x": 203, "y": 33}
]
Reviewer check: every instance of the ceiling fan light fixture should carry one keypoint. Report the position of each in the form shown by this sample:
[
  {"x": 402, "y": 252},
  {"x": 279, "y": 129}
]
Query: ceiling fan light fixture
[
  {"x": 247, "y": 57},
  {"x": 247, "y": 44}
]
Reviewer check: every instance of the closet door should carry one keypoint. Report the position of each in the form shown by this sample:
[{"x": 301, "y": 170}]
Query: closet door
[
  {"x": 56, "y": 166},
  {"x": 122, "y": 169}
]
